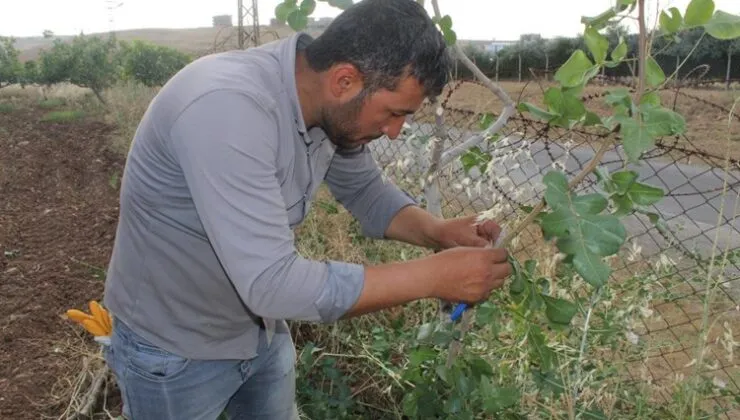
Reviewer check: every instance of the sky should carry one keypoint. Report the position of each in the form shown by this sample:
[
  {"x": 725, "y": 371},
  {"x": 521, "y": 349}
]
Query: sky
[{"x": 472, "y": 19}]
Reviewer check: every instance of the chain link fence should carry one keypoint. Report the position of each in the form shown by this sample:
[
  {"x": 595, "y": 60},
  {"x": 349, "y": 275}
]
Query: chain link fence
[{"x": 699, "y": 213}]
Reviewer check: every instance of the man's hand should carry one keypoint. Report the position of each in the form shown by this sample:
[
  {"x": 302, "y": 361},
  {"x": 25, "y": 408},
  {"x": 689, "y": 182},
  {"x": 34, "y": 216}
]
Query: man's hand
[
  {"x": 464, "y": 231},
  {"x": 416, "y": 226},
  {"x": 460, "y": 274}
]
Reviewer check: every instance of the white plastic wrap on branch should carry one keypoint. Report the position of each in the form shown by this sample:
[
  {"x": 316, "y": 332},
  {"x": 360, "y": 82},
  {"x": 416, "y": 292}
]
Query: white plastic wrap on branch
[
  {"x": 506, "y": 112},
  {"x": 475, "y": 140}
]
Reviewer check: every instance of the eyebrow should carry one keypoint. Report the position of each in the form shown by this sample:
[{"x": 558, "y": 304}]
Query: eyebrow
[{"x": 403, "y": 111}]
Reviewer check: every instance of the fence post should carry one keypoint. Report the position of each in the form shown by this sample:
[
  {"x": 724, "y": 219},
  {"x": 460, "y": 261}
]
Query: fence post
[
  {"x": 497, "y": 60},
  {"x": 729, "y": 67},
  {"x": 520, "y": 68}
]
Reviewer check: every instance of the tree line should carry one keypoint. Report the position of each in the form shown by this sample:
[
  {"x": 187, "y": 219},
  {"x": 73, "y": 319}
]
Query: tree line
[
  {"x": 97, "y": 62},
  {"x": 91, "y": 62},
  {"x": 710, "y": 58}
]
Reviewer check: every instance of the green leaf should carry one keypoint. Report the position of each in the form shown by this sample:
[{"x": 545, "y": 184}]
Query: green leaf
[
  {"x": 591, "y": 118},
  {"x": 591, "y": 268},
  {"x": 654, "y": 75},
  {"x": 475, "y": 157},
  {"x": 619, "y": 96},
  {"x": 536, "y": 111},
  {"x": 723, "y": 26},
  {"x": 661, "y": 121},
  {"x": 651, "y": 98},
  {"x": 620, "y": 51},
  {"x": 539, "y": 349},
  {"x": 486, "y": 121},
  {"x": 636, "y": 138},
  {"x": 599, "y": 21},
  {"x": 500, "y": 398},
  {"x": 597, "y": 44},
  {"x": 565, "y": 104},
  {"x": 671, "y": 24},
  {"x": 623, "y": 203},
  {"x": 308, "y": 7},
  {"x": 623, "y": 180},
  {"x": 580, "y": 230},
  {"x": 419, "y": 356},
  {"x": 645, "y": 195},
  {"x": 480, "y": 367},
  {"x": 576, "y": 70},
  {"x": 445, "y": 22},
  {"x": 297, "y": 20},
  {"x": 698, "y": 12},
  {"x": 559, "y": 311},
  {"x": 282, "y": 11}
]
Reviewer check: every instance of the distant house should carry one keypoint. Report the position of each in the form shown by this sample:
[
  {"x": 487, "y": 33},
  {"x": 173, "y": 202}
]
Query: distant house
[
  {"x": 489, "y": 47},
  {"x": 493, "y": 47},
  {"x": 221, "y": 21}
]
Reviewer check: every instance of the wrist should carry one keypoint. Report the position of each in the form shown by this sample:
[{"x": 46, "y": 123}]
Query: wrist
[{"x": 433, "y": 231}]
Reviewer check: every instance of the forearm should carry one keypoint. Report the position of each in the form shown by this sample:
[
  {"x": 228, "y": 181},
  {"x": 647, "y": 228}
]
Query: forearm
[
  {"x": 395, "y": 284},
  {"x": 415, "y": 226}
]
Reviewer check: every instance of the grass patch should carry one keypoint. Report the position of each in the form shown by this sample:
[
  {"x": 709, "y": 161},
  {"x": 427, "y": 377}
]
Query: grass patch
[
  {"x": 6, "y": 108},
  {"x": 126, "y": 103},
  {"x": 52, "y": 103},
  {"x": 63, "y": 116}
]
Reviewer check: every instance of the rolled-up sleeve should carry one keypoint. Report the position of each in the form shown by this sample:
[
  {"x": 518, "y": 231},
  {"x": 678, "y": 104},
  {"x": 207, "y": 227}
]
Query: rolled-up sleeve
[
  {"x": 356, "y": 181},
  {"x": 226, "y": 144}
]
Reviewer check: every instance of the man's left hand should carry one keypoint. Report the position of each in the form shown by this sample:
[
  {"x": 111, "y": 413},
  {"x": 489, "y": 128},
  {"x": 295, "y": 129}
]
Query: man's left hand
[{"x": 464, "y": 231}]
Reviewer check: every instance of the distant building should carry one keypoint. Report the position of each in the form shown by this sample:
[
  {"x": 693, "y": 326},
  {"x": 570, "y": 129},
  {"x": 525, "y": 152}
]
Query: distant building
[
  {"x": 489, "y": 47},
  {"x": 221, "y": 21},
  {"x": 319, "y": 24},
  {"x": 494, "y": 47}
]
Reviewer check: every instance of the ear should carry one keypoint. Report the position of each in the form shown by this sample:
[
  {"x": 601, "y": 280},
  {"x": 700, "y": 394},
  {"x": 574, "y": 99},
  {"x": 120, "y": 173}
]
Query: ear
[{"x": 345, "y": 81}]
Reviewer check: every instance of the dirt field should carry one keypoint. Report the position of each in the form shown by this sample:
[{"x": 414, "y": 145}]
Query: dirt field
[{"x": 58, "y": 213}]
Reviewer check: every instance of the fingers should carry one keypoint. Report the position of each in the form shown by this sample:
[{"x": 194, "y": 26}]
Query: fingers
[
  {"x": 489, "y": 230},
  {"x": 498, "y": 255}
]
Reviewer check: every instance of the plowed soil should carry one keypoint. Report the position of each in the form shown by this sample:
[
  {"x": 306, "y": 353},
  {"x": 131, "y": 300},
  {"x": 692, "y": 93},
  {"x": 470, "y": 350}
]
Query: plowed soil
[{"x": 58, "y": 212}]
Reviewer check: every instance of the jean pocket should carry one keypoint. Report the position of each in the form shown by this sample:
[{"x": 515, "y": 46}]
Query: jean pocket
[{"x": 154, "y": 364}]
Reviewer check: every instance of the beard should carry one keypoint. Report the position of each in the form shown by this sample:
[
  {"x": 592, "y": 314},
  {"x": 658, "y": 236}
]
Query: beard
[{"x": 340, "y": 123}]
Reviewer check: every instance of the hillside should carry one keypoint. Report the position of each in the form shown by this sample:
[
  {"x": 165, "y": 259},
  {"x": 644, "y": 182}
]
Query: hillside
[
  {"x": 191, "y": 40},
  {"x": 195, "y": 41}
]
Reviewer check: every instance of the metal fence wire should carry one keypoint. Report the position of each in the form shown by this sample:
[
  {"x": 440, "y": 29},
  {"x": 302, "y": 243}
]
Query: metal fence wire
[{"x": 699, "y": 214}]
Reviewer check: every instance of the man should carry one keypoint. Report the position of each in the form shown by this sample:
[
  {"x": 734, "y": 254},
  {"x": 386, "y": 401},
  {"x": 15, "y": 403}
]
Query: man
[{"x": 224, "y": 164}]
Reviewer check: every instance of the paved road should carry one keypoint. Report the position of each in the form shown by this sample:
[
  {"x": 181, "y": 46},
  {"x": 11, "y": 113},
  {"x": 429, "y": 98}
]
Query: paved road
[{"x": 691, "y": 208}]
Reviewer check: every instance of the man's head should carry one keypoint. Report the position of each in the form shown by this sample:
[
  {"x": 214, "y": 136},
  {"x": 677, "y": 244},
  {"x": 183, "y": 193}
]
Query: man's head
[{"x": 378, "y": 61}]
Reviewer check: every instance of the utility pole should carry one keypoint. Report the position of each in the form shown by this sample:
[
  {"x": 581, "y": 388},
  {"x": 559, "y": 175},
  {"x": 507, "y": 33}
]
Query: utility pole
[
  {"x": 112, "y": 5},
  {"x": 248, "y": 36}
]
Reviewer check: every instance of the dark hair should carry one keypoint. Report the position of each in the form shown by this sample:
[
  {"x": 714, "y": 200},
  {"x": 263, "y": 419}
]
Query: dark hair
[{"x": 385, "y": 40}]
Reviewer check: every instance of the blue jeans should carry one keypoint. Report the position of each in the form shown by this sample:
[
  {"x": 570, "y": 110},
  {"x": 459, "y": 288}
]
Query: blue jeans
[{"x": 159, "y": 385}]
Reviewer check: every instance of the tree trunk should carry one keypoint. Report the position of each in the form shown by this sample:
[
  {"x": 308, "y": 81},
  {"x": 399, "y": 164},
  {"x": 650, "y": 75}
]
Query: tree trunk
[{"x": 99, "y": 96}]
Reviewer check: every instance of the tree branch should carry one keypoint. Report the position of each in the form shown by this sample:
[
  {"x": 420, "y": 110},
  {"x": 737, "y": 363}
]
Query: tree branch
[{"x": 508, "y": 105}]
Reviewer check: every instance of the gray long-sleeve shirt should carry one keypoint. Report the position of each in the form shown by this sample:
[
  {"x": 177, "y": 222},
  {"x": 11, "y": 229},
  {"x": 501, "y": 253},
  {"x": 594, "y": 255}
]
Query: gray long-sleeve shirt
[{"x": 222, "y": 168}]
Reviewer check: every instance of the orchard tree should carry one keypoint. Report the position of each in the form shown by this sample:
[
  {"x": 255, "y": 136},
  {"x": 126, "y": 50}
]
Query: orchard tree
[
  {"x": 11, "y": 69},
  {"x": 86, "y": 61},
  {"x": 150, "y": 64}
]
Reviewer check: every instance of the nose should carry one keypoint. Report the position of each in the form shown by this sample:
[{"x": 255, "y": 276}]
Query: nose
[{"x": 393, "y": 129}]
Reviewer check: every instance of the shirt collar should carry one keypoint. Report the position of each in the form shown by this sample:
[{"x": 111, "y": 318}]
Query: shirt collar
[{"x": 288, "y": 57}]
